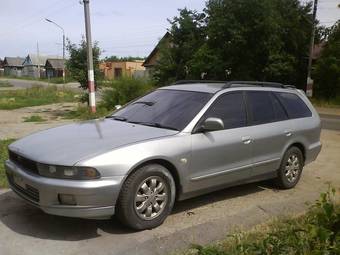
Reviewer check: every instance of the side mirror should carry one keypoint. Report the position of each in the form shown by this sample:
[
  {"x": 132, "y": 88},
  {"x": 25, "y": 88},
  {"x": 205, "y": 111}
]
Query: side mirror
[
  {"x": 212, "y": 124},
  {"x": 117, "y": 107}
]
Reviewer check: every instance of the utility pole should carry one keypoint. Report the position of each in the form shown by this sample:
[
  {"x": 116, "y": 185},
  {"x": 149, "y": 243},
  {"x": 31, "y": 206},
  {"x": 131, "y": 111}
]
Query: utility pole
[
  {"x": 310, "y": 82},
  {"x": 90, "y": 72},
  {"x": 38, "y": 58}
]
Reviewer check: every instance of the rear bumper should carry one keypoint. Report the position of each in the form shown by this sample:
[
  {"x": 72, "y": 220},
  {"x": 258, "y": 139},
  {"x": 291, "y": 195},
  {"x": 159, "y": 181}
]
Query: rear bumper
[
  {"x": 313, "y": 152},
  {"x": 94, "y": 199}
]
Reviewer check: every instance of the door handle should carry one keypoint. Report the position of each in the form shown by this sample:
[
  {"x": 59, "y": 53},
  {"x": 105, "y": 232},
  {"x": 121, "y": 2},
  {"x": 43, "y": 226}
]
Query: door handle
[
  {"x": 288, "y": 133},
  {"x": 246, "y": 140}
]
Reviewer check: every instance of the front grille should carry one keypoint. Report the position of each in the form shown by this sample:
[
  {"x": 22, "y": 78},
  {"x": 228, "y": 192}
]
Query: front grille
[
  {"x": 26, "y": 164},
  {"x": 29, "y": 191}
]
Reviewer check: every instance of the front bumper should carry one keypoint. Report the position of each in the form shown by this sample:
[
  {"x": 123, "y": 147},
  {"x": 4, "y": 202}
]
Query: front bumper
[{"x": 94, "y": 199}]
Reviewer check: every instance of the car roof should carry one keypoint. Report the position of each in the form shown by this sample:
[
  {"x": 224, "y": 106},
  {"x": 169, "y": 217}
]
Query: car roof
[{"x": 197, "y": 87}]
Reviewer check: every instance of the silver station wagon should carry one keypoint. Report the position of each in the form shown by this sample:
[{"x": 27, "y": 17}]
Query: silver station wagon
[{"x": 174, "y": 143}]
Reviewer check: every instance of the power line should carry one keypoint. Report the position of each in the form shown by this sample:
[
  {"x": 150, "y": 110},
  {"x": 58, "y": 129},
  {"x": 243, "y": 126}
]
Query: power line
[{"x": 36, "y": 19}]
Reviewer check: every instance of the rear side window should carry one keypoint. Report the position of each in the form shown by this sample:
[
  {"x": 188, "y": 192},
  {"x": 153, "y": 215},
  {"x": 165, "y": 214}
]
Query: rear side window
[
  {"x": 294, "y": 105},
  {"x": 230, "y": 108},
  {"x": 280, "y": 112},
  {"x": 260, "y": 107}
]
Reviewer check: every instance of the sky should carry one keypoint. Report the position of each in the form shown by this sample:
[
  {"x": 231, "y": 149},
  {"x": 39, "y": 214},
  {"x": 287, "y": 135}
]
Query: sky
[{"x": 122, "y": 28}]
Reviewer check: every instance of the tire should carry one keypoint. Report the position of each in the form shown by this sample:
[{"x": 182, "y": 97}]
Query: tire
[
  {"x": 290, "y": 169},
  {"x": 146, "y": 198}
]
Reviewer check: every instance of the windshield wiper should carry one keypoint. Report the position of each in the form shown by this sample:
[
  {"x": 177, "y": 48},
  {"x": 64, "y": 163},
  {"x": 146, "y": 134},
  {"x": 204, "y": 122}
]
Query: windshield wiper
[
  {"x": 148, "y": 103},
  {"x": 152, "y": 124},
  {"x": 119, "y": 118}
]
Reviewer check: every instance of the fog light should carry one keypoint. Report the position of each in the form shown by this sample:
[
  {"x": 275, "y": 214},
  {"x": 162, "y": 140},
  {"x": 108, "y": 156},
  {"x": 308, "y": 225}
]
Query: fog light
[{"x": 66, "y": 199}]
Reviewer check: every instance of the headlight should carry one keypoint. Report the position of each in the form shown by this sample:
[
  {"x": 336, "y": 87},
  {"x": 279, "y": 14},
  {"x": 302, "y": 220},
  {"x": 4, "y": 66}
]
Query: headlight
[{"x": 65, "y": 172}]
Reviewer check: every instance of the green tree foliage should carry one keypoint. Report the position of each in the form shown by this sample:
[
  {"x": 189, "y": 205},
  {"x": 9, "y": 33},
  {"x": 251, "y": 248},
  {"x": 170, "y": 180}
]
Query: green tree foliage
[
  {"x": 327, "y": 69},
  {"x": 77, "y": 63},
  {"x": 187, "y": 35},
  {"x": 239, "y": 39}
]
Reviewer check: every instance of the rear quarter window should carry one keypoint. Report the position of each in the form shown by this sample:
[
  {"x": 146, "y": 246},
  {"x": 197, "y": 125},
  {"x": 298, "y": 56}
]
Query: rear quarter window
[{"x": 294, "y": 105}]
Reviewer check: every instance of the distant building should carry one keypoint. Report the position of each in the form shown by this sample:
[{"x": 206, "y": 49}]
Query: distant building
[
  {"x": 34, "y": 65},
  {"x": 154, "y": 56},
  {"x": 13, "y": 66},
  {"x": 317, "y": 50},
  {"x": 54, "y": 67},
  {"x": 116, "y": 70}
]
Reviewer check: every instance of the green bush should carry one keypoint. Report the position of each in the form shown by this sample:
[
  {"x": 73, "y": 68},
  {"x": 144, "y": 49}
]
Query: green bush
[{"x": 124, "y": 90}]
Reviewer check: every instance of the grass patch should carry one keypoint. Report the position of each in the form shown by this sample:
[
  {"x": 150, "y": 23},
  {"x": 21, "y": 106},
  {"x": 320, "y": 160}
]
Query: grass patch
[
  {"x": 5, "y": 84},
  {"x": 34, "y": 118},
  {"x": 82, "y": 112},
  {"x": 3, "y": 157},
  {"x": 55, "y": 80},
  {"x": 316, "y": 232},
  {"x": 37, "y": 95}
]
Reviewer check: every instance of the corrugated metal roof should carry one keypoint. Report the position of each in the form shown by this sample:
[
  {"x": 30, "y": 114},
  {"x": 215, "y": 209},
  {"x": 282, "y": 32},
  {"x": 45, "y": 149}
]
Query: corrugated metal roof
[{"x": 13, "y": 61}]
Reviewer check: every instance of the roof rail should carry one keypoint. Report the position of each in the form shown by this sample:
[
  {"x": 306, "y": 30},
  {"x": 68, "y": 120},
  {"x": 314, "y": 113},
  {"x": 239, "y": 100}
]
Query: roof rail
[
  {"x": 235, "y": 84},
  {"x": 232, "y": 84},
  {"x": 180, "y": 82}
]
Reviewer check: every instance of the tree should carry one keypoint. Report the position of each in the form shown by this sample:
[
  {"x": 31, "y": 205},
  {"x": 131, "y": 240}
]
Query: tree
[
  {"x": 77, "y": 63},
  {"x": 186, "y": 36},
  {"x": 327, "y": 68},
  {"x": 240, "y": 40}
]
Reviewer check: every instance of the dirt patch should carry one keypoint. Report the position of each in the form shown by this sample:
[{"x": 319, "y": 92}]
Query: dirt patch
[{"x": 12, "y": 121}]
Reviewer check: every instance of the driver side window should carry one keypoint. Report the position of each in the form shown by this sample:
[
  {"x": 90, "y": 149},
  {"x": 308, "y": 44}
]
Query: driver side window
[{"x": 230, "y": 109}]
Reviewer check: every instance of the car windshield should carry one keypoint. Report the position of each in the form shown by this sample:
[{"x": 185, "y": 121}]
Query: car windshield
[{"x": 170, "y": 109}]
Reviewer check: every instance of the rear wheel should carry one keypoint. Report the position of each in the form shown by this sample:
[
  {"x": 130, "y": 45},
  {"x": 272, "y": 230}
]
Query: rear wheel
[
  {"x": 290, "y": 169},
  {"x": 147, "y": 197}
]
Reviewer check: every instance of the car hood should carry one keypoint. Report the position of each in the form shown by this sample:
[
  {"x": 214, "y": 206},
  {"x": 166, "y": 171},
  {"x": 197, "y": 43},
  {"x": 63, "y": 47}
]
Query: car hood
[{"x": 66, "y": 145}]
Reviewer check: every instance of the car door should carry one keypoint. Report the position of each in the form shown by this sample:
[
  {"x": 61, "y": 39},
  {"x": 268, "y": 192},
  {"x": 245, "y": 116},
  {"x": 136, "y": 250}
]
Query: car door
[
  {"x": 271, "y": 131},
  {"x": 224, "y": 156}
]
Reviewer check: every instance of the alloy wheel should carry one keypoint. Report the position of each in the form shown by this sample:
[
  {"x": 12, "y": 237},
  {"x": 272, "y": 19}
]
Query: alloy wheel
[
  {"x": 151, "y": 198},
  {"x": 292, "y": 168}
]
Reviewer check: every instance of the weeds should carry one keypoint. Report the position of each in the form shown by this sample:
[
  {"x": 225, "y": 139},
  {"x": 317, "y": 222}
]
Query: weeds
[
  {"x": 82, "y": 112},
  {"x": 34, "y": 118},
  {"x": 316, "y": 232},
  {"x": 3, "y": 157}
]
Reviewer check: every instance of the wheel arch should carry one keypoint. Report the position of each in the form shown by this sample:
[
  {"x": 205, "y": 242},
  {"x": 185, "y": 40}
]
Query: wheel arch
[
  {"x": 165, "y": 163},
  {"x": 301, "y": 147}
]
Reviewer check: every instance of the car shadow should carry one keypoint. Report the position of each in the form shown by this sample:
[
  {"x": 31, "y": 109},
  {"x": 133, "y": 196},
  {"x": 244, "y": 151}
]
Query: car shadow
[{"x": 28, "y": 220}]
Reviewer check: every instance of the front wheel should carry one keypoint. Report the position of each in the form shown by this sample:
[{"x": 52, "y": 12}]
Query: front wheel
[
  {"x": 147, "y": 197},
  {"x": 290, "y": 169}
]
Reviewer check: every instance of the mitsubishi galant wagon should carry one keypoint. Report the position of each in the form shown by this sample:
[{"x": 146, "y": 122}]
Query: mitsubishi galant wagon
[{"x": 174, "y": 143}]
